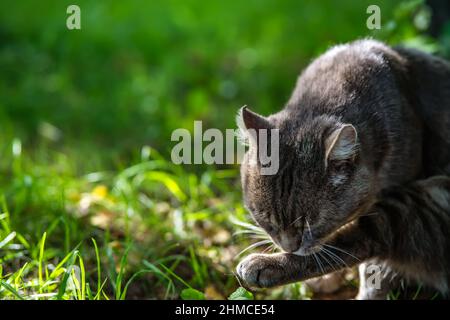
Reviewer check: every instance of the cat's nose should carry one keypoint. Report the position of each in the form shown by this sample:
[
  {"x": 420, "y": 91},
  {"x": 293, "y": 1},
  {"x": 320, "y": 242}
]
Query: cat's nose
[{"x": 288, "y": 243}]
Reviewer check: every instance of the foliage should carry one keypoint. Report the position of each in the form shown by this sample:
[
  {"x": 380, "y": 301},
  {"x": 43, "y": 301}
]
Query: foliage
[
  {"x": 89, "y": 208},
  {"x": 241, "y": 294}
]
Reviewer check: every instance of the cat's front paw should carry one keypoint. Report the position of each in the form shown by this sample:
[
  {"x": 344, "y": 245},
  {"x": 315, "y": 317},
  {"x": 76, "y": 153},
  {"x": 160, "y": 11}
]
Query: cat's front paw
[{"x": 260, "y": 270}]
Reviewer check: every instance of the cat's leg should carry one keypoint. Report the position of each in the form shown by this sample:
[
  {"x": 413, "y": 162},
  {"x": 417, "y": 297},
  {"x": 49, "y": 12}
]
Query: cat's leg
[
  {"x": 350, "y": 247},
  {"x": 327, "y": 283},
  {"x": 409, "y": 221},
  {"x": 419, "y": 217}
]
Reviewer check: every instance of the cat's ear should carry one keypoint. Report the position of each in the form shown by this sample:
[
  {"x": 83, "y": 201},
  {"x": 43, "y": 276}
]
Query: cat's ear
[
  {"x": 341, "y": 144},
  {"x": 250, "y": 123}
]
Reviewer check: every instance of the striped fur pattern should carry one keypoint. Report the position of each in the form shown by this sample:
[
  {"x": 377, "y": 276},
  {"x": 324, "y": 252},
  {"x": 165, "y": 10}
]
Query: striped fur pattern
[
  {"x": 407, "y": 230},
  {"x": 362, "y": 141}
]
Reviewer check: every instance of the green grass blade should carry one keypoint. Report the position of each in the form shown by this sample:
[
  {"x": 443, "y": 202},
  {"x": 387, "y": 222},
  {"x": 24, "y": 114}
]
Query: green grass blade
[
  {"x": 83, "y": 277},
  {"x": 137, "y": 274},
  {"x": 8, "y": 287},
  {"x": 120, "y": 275},
  {"x": 40, "y": 261},
  {"x": 97, "y": 258},
  {"x": 7, "y": 239},
  {"x": 173, "y": 274},
  {"x": 63, "y": 284}
]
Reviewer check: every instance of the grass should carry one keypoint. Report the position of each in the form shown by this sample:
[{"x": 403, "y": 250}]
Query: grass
[
  {"x": 89, "y": 208},
  {"x": 149, "y": 231},
  {"x": 152, "y": 221}
]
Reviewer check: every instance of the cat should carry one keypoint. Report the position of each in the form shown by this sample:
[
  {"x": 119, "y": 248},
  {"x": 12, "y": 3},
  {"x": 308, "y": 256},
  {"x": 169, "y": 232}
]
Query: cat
[
  {"x": 363, "y": 118},
  {"x": 408, "y": 229}
]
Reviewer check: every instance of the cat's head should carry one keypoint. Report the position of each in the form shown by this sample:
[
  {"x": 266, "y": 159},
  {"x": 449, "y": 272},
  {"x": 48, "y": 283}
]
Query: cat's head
[{"x": 320, "y": 185}]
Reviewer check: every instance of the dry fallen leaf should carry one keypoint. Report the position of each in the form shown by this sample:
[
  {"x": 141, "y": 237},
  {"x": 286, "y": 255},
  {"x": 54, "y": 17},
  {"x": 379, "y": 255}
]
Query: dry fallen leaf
[{"x": 212, "y": 293}]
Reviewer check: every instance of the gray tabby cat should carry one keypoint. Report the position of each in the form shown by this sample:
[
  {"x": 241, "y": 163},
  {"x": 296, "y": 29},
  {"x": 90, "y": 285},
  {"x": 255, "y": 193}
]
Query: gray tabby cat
[{"x": 361, "y": 143}]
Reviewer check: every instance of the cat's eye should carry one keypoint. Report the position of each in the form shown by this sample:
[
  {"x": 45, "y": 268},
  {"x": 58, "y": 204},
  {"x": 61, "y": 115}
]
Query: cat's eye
[{"x": 340, "y": 166}]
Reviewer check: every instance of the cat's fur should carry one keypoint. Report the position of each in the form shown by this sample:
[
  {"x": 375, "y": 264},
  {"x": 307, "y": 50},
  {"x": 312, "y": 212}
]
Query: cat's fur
[
  {"x": 407, "y": 229},
  {"x": 363, "y": 117}
]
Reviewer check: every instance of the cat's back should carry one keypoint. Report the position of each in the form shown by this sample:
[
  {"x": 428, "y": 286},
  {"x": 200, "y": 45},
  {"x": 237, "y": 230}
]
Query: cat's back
[
  {"x": 396, "y": 94},
  {"x": 397, "y": 99},
  {"x": 429, "y": 82},
  {"x": 347, "y": 76}
]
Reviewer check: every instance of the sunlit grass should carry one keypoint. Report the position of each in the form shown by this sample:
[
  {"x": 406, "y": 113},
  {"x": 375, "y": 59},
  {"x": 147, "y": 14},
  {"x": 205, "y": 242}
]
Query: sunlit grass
[
  {"x": 86, "y": 212},
  {"x": 152, "y": 228}
]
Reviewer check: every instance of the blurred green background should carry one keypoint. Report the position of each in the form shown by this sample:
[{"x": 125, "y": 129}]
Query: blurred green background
[{"x": 85, "y": 123}]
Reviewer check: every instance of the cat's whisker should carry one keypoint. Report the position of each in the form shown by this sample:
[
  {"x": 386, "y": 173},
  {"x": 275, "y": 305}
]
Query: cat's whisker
[
  {"x": 326, "y": 260},
  {"x": 335, "y": 257},
  {"x": 251, "y": 233},
  {"x": 252, "y": 230},
  {"x": 295, "y": 221},
  {"x": 319, "y": 263},
  {"x": 237, "y": 277},
  {"x": 309, "y": 228},
  {"x": 246, "y": 225},
  {"x": 332, "y": 259},
  {"x": 341, "y": 250},
  {"x": 369, "y": 214},
  {"x": 243, "y": 231},
  {"x": 254, "y": 245},
  {"x": 262, "y": 237},
  {"x": 316, "y": 257},
  {"x": 315, "y": 260},
  {"x": 269, "y": 248}
]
